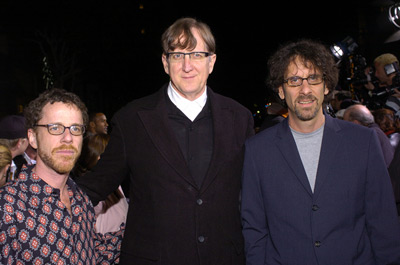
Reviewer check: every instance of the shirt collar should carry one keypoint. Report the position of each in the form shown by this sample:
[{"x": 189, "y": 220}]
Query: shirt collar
[
  {"x": 29, "y": 177},
  {"x": 190, "y": 108}
]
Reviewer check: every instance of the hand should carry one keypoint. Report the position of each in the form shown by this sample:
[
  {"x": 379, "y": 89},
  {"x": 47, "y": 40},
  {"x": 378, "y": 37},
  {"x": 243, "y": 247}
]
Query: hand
[{"x": 396, "y": 93}]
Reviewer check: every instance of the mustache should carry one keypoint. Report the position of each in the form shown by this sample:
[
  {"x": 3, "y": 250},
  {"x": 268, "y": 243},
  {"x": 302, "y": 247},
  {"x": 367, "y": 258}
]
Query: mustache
[
  {"x": 306, "y": 98},
  {"x": 65, "y": 147}
]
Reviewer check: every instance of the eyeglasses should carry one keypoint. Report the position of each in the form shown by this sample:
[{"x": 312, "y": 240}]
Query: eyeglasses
[
  {"x": 298, "y": 81},
  {"x": 57, "y": 129},
  {"x": 194, "y": 56}
]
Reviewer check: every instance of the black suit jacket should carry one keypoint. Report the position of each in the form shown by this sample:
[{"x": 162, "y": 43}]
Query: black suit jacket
[{"x": 170, "y": 220}]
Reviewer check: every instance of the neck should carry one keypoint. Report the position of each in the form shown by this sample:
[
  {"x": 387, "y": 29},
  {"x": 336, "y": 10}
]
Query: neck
[
  {"x": 50, "y": 176},
  {"x": 306, "y": 126}
]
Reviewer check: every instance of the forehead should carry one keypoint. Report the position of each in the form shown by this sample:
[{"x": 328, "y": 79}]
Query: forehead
[
  {"x": 62, "y": 113},
  {"x": 298, "y": 66},
  {"x": 100, "y": 116}
]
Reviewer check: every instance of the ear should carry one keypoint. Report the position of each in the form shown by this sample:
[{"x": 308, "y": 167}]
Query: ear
[
  {"x": 92, "y": 124},
  {"x": 32, "y": 138},
  {"x": 7, "y": 167},
  {"x": 211, "y": 63},
  {"x": 165, "y": 63},
  {"x": 20, "y": 142},
  {"x": 326, "y": 90},
  {"x": 281, "y": 93}
]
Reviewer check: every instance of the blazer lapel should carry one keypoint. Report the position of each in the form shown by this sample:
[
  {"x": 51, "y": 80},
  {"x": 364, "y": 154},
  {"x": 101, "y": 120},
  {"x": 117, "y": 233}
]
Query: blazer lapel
[
  {"x": 330, "y": 143},
  {"x": 288, "y": 148},
  {"x": 155, "y": 120}
]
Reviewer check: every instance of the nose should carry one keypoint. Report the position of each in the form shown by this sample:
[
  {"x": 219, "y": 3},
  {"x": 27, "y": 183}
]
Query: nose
[
  {"x": 187, "y": 64},
  {"x": 67, "y": 136},
  {"x": 305, "y": 87}
]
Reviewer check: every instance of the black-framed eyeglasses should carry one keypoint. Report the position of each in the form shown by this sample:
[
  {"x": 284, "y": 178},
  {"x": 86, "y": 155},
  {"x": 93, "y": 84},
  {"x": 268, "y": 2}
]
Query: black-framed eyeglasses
[
  {"x": 194, "y": 56},
  {"x": 57, "y": 129},
  {"x": 298, "y": 81}
]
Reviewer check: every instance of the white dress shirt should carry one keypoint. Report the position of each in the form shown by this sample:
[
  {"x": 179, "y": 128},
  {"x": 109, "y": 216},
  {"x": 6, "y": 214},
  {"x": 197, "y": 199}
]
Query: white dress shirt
[{"x": 190, "y": 108}]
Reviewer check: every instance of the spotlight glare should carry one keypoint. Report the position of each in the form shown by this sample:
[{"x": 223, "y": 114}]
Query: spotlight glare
[
  {"x": 393, "y": 14},
  {"x": 337, "y": 51}
]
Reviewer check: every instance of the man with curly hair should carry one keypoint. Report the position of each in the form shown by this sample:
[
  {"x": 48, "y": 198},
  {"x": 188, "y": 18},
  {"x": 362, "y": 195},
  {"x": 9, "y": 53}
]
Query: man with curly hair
[{"x": 315, "y": 188}]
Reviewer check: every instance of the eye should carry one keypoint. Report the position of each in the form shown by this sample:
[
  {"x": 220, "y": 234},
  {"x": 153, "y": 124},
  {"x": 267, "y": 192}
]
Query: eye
[
  {"x": 313, "y": 77},
  {"x": 198, "y": 55},
  {"x": 76, "y": 128},
  {"x": 294, "y": 79},
  {"x": 177, "y": 56},
  {"x": 55, "y": 128}
]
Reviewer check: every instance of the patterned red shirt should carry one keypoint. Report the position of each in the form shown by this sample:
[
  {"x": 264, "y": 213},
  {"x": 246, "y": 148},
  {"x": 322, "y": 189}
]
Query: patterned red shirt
[{"x": 36, "y": 227}]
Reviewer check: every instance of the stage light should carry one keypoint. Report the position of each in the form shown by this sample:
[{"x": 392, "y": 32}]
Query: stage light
[
  {"x": 344, "y": 47},
  {"x": 337, "y": 51},
  {"x": 394, "y": 14}
]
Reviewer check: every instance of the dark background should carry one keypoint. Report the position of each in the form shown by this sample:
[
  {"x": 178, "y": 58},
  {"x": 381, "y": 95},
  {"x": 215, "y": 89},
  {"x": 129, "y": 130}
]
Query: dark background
[{"x": 109, "y": 52}]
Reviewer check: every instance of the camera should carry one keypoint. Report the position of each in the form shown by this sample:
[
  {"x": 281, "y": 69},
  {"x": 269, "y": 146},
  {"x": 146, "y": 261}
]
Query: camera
[
  {"x": 391, "y": 68},
  {"x": 358, "y": 64},
  {"x": 384, "y": 92}
]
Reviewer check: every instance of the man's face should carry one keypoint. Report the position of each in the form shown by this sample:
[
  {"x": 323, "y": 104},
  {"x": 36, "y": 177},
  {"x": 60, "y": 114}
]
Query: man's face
[
  {"x": 188, "y": 77},
  {"x": 57, "y": 152},
  {"x": 100, "y": 123},
  {"x": 304, "y": 101}
]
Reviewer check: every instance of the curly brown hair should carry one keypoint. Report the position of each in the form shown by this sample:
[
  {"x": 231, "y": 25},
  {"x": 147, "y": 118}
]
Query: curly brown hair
[
  {"x": 33, "y": 112},
  {"x": 311, "y": 53}
]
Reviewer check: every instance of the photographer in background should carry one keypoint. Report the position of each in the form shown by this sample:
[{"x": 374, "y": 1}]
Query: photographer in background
[{"x": 387, "y": 71}]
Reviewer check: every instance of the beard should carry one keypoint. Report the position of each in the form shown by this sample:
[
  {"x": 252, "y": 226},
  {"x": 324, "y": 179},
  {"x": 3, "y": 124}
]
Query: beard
[
  {"x": 306, "y": 114},
  {"x": 62, "y": 164}
]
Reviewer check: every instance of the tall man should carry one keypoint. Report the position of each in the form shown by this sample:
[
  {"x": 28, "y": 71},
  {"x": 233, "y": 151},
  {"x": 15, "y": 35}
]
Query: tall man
[
  {"x": 315, "y": 190},
  {"x": 45, "y": 217},
  {"x": 182, "y": 149}
]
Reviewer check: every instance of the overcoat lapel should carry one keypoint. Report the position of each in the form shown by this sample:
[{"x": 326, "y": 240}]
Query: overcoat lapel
[
  {"x": 155, "y": 120},
  {"x": 288, "y": 148},
  {"x": 223, "y": 126}
]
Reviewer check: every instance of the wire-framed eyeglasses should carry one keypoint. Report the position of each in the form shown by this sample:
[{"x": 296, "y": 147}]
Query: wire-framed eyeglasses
[
  {"x": 57, "y": 129},
  {"x": 298, "y": 81},
  {"x": 194, "y": 56}
]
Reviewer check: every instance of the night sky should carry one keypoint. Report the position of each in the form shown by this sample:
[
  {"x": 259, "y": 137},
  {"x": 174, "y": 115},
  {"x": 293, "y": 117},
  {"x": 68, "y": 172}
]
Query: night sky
[{"x": 116, "y": 52}]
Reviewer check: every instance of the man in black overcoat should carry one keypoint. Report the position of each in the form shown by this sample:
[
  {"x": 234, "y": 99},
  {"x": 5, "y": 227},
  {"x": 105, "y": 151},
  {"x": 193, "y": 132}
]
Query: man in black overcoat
[{"x": 182, "y": 150}]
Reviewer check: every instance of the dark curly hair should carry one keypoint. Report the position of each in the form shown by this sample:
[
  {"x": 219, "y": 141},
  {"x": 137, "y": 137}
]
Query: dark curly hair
[
  {"x": 33, "y": 112},
  {"x": 312, "y": 54}
]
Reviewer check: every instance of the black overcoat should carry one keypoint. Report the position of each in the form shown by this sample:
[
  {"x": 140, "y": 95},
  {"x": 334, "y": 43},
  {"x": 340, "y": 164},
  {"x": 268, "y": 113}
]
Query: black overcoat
[{"x": 171, "y": 220}]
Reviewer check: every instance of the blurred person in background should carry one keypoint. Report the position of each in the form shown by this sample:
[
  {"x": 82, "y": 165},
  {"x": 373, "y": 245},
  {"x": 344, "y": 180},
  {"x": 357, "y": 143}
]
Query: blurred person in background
[
  {"x": 5, "y": 163},
  {"x": 97, "y": 123},
  {"x": 110, "y": 213},
  {"x": 13, "y": 134}
]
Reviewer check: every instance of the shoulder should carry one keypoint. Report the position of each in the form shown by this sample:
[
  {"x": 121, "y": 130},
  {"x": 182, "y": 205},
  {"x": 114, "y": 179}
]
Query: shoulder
[
  {"x": 79, "y": 194},
  {"x": 267, "y": 135}
]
